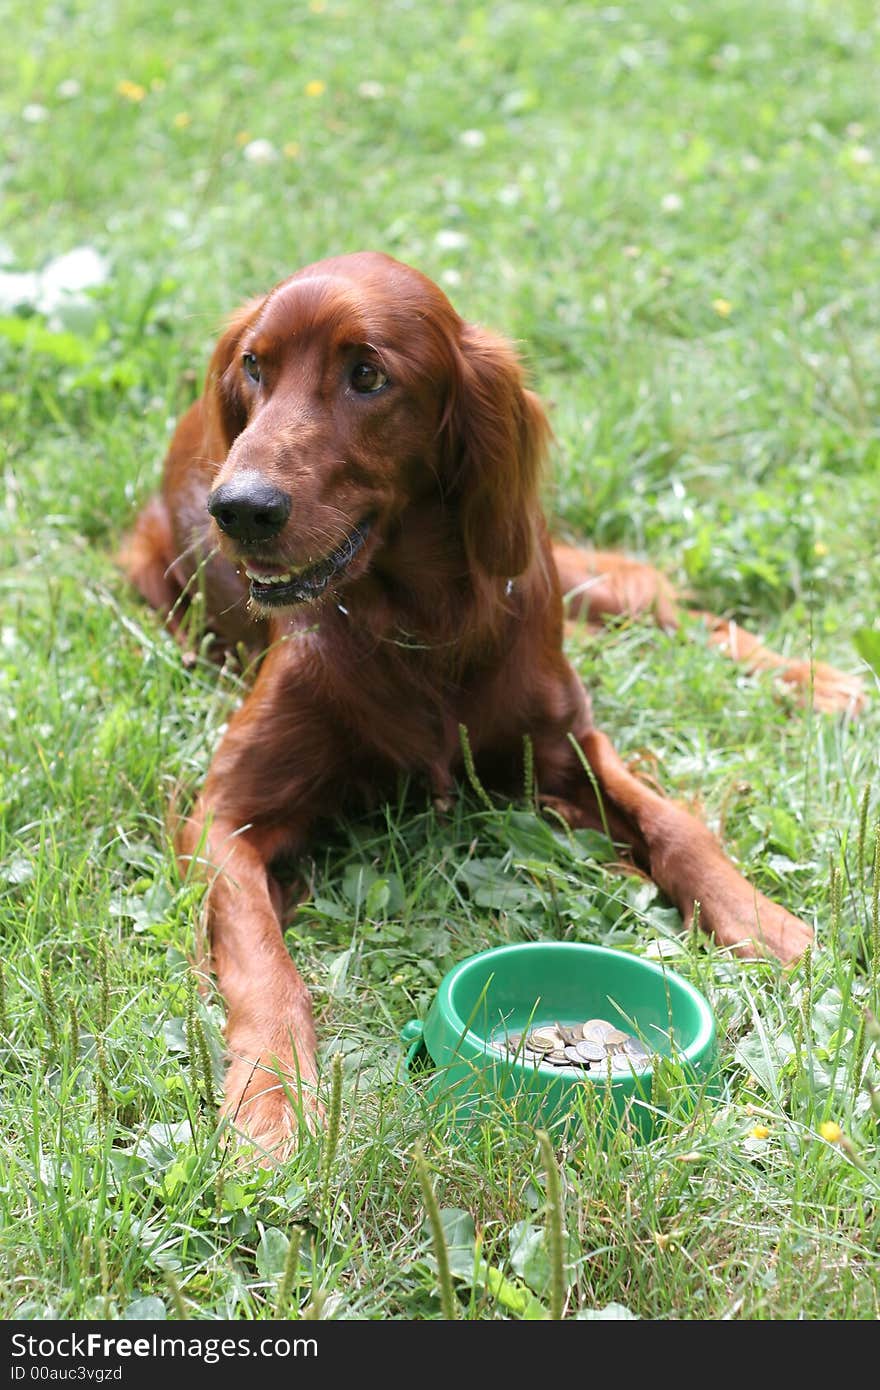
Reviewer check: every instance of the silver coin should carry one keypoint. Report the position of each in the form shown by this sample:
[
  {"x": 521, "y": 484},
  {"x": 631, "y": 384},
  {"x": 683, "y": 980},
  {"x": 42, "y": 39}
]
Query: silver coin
[
  {"x": 637, "y": 1050},
  {"x": 597, "y": 1029},
  {"x": 573, "y": 1054},
  {"x": 616, "y": 1038},
  {"x": 590, "y": 1051},
  {"x": 621, "y": 1065}
]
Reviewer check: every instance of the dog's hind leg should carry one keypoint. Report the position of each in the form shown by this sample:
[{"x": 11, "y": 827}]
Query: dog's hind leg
[
  {"x": 600, "y": 584},
  {"x": 147, "y": 556}
]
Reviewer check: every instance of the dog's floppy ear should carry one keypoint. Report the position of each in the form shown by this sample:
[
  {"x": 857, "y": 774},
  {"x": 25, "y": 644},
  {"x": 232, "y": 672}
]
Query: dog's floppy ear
[
  {"x": 499, "y": 435},
  {"x": 223, "y": 388}
]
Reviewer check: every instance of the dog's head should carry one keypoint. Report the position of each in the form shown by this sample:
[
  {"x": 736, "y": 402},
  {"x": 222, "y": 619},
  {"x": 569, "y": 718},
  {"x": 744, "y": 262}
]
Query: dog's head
[{"x": 350, "y": 391}]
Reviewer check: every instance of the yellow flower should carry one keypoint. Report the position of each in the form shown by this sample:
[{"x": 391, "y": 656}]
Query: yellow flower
[
  {"x": 722, "y": 307},
  {"x": 760, "y": 1132},
  {"x": 831, "y": 1132},
  {"x": 182, "y": 120},
  {"x": 820, "y": 548},
  {"x": 316, "y": 88},
  {"x": 242, "y": 137},
  {"x": 317, "y": 6},
  {"x": 291, "y": 149},
  {"x": 132, "y": 91}
]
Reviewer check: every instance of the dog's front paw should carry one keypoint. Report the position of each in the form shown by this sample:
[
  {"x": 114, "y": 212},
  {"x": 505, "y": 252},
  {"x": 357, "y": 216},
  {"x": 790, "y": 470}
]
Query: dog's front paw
[
  {"x": 270, "y": 1105},
  {"x": 758, "y": 927}
]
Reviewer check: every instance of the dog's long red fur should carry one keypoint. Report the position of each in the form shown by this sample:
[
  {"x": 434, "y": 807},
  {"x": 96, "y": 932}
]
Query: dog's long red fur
[{"x": 450, "y": 613}]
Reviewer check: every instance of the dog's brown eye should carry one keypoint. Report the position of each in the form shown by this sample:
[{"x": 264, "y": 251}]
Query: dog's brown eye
[
  {"x": 366, "y": 377},
  {"x": 251, "y": 367}
]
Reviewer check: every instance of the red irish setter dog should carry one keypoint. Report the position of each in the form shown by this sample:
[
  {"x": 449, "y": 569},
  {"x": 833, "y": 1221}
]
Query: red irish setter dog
[{"x": 357, "y": 493}]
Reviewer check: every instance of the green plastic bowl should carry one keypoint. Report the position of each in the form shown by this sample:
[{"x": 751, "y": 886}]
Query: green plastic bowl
[{"x": 513, "y": 988}]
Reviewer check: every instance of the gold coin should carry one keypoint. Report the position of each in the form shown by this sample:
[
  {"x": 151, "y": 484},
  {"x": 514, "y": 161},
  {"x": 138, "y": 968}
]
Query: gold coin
[{"x": 557, "y": 1057}]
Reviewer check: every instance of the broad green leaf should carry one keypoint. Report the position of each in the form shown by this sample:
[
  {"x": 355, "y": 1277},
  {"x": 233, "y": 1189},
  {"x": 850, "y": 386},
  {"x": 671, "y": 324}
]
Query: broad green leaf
[
  {"x": 765, "y": 1057},
  {"x": 530, "y": 835},
  {"x": 337, "y": 974},
  {"x": 356, "y": 883},
  {"x": 493, "y": 886},
  {"x": 377, "y": 898},
  {"x": 512, "y": 1295},
  {"x": 271, "y": 1253},
  {"x": 593, "y": 845},
  {"x": 867, "y": 643},
  {"x": 458, "y": 1229},
  {"x": 528, "y": 1255},
  {"x": 611, "y": 1312},
  {"x": 147, "y": 1309}
]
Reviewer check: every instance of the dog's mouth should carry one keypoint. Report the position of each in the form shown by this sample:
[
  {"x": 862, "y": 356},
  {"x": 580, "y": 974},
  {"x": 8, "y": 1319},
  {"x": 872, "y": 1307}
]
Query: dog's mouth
[{"x": 275, "y": 587}]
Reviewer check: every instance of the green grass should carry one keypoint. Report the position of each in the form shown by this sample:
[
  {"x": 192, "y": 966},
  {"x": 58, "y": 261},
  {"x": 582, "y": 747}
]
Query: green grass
[{"x": 675, "y": 210}]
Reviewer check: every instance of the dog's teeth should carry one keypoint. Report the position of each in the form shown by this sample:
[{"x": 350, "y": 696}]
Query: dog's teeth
[
  {"x": 268, "y": 578},
  {"x": 312, "y": 578}
]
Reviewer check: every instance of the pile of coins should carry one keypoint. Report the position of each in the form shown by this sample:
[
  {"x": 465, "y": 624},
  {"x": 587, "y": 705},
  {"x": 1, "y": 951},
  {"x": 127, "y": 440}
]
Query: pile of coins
[{"x": 592, "y": 1046}]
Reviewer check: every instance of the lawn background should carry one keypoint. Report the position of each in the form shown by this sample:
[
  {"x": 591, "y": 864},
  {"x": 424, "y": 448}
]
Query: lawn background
[{"x": 674, "y": 210}]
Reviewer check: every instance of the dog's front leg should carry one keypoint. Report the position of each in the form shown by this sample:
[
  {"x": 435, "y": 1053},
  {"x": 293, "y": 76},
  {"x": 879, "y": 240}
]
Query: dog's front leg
[{"x": 271, "y": 1082}]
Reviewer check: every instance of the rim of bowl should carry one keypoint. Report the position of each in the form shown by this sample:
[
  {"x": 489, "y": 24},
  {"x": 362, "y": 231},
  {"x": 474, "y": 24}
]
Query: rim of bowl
[{"x": 700, "y": 1045}]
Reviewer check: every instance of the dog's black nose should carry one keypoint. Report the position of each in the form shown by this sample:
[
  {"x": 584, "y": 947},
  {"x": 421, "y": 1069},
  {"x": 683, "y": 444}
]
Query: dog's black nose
[{"x": 249, "y": 508}]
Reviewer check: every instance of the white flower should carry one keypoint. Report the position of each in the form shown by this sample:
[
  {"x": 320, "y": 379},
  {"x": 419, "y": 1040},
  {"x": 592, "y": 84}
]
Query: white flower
[
  {"x": 17, "y": 289},
  {"x": 474, "y": 139},
  {"x": 67, "y": 276},
  {"x": 860, "y": 154},
  {"x": 371, "y": 91},
  {"x": 260, "y": 152},
  {"x": 59, "y": 283},
  {"x": 33, "y": 113},
  {"x": 671, "y": 202},
  {"x": 68, "y": 89},
  {"x": 450, "y": 240},
  {"x": 451, "y": 278}
]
